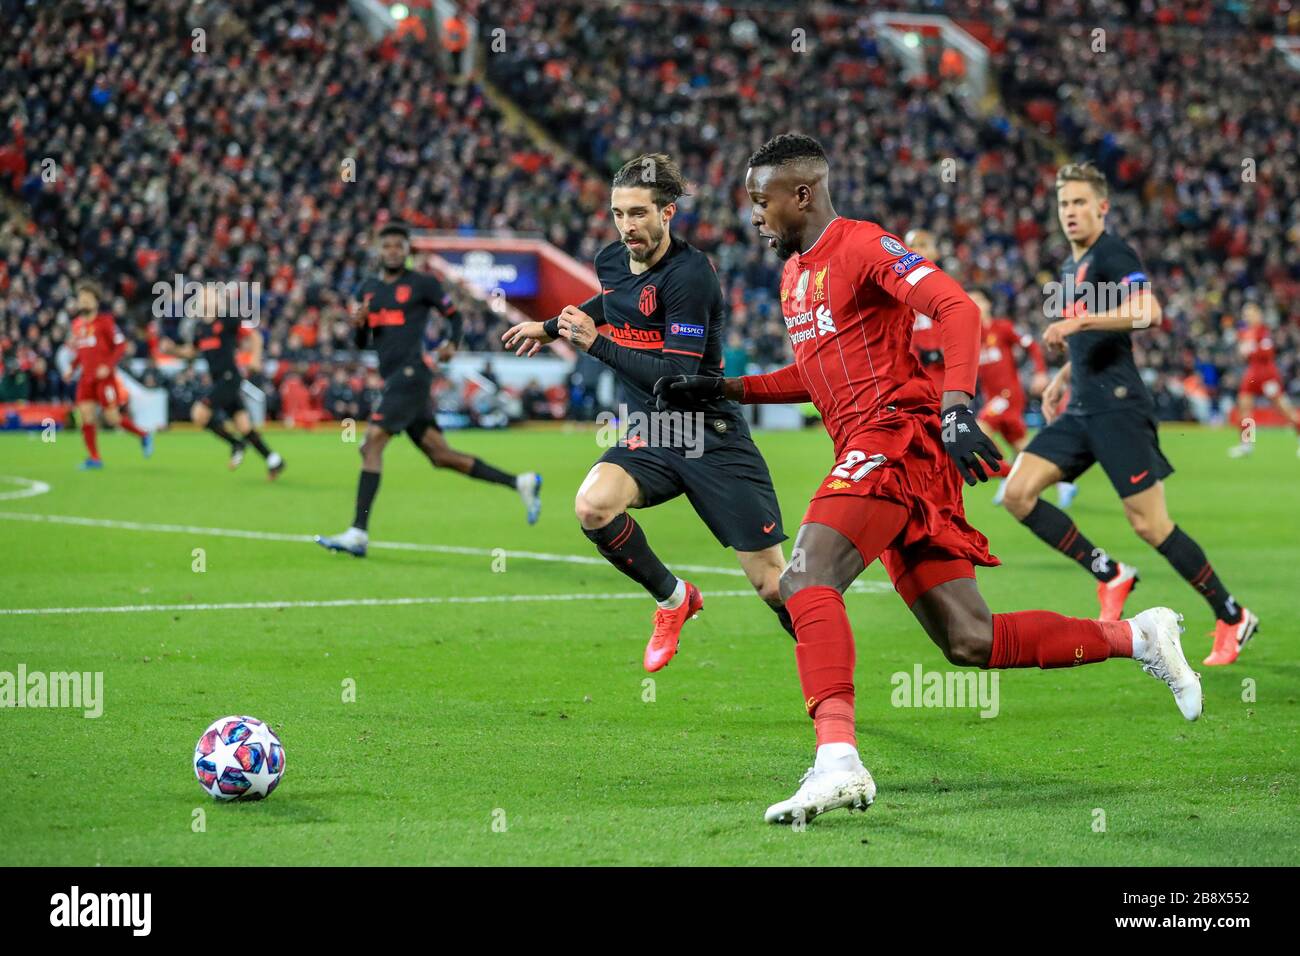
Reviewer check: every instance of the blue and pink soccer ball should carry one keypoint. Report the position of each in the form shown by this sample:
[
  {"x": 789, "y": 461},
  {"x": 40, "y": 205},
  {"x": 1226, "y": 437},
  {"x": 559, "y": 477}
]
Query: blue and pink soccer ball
[{"x": 239, "y": 758}]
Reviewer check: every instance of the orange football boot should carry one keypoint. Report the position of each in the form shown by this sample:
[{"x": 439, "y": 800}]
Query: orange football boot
[{"x": 668, "y": 628}]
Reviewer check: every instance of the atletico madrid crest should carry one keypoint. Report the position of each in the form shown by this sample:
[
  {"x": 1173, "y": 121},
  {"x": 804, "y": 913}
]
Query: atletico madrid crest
[
  {"x": 403, "y": 294},
  {"x": 649, "y": 300}
]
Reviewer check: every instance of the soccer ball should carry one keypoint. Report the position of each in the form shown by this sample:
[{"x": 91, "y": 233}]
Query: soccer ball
[{"x": 239, "y": 758}]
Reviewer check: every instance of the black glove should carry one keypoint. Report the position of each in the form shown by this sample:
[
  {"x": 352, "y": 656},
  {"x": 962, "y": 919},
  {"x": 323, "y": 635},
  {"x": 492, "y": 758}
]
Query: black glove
[
  {"x": 686, "y": 391},
  {"x": 966, "y": 444}
]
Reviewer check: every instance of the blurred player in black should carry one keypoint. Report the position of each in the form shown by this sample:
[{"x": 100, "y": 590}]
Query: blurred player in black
[
  {"x": 661, "y": 300},
  {"x": 391, "y": 317},
  {"x": 1110, "y": 419},
  {"x": 217, "y": 339}
]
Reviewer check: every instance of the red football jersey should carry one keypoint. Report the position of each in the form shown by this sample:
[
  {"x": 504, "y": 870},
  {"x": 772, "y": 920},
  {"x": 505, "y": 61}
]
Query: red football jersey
[
  {"x": 849, "y": 304},
  {"x": 999, "y": 371},
  {"x": 97, "y": 342},
  {"x": 1257, "y": 345}
]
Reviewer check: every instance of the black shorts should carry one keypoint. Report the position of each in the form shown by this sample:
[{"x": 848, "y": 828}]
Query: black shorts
[
  {"x": 223, "y": 395},
  {"x": 1125, "y": 442},
  {"x": 728, "y": 486},
  {"x": 406, "y": 403}
]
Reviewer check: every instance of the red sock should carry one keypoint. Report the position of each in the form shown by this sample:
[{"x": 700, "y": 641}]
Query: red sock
[
  {"x": 833, "y": 721},
  {"x": 825, "y": 657},
  {"x": 88, "y": 436},
  {"x": 1044, "y": 639},
  {"x": 132, "y": 427}
]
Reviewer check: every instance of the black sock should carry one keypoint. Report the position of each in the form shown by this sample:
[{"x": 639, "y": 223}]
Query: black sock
[
  {"x": 1054, "y": 526},
  {"x": 784, "y": 617},
  {"x": 218, "y": 427},
  {"x": 1190, "y": 561},
  {"x": 254, "y": 439},
  {"x": 366, "y": 488},
  {"x": 485, "y": 472},
  {"x": 622, "y": 543}
]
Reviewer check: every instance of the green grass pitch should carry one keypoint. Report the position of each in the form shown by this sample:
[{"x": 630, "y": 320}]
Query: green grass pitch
[{"x": 524, "y": 732}]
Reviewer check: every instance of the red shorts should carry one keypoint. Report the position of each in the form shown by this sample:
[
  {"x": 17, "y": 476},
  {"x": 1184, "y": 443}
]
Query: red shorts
[
  {"x": 105, "y": 392},
  {"x": 1261, "y": 380},
  {"x": 1006, "y": 417},
  {"x": 901, "y": 460}
]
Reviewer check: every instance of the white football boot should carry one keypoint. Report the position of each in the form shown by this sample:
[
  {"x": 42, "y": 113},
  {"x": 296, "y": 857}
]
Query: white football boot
[
  {"x": 529, "y": 486},
  {"x": 1155, "y": 633},
  {"x": 828, "y": 785},
  {"x": 353, "y": 542},
  {"x": 1241, "y": 451}
]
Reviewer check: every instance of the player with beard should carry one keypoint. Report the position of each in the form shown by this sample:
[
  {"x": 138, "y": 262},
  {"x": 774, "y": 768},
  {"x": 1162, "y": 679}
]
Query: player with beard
[
  {"x": 661, "y": 301},
  {"x": 1111, "y": 418},
  {"x": 849, "y": 291},
  {"x": 391, "y": 314}
]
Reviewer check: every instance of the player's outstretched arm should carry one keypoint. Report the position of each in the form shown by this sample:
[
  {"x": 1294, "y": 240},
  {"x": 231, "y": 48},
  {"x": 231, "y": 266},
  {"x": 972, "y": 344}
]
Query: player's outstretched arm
[
  {"x": 639, "y": 366},
  {"x": 526, "y": 338},
  {"x": 784, "y": 386}
]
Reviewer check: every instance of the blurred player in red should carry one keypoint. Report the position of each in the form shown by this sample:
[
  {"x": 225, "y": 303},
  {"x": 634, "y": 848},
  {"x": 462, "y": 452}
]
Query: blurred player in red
[
  {"x": 1262, "y": 376},
  {"x": 927, "y": 343},
  {"x": 99, "y": 345},
  {"x": 848, "y": 291},
  {"x": 1003, "y": 412}
]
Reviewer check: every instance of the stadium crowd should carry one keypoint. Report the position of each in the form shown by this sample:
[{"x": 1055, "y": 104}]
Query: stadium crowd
[{"x": 225, "y": 162}]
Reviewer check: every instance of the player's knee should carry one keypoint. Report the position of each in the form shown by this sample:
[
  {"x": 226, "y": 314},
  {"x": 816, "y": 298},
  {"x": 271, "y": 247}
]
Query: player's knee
[
  {"x": 769, "y": 589},
  {"x": 1019, "y": 498},
  {"x": 592, "y": 511},
  {"x": 1151, "y": 530},
  {"x": 970, "y": 641},
  {"x": 793, "y": 580}
]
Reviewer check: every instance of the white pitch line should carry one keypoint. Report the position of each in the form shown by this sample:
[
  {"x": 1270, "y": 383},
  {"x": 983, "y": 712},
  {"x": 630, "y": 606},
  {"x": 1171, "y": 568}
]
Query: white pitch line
[
  {"x": 32, "y": 489},
  {"x": 859, "y": 587},
  {"x": 306, "y": 538},
  {"x": 350, "y": 602}
]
